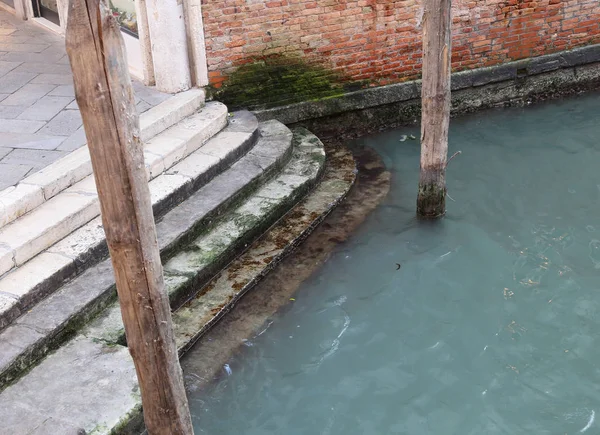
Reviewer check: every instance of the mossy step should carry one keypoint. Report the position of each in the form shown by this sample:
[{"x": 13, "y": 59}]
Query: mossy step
[
  {"x": 202, "y": 258},
  {"x": 66, "y": 310}
]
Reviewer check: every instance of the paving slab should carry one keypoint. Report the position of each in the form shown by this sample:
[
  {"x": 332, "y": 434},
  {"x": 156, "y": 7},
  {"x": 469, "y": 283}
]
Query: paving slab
[
  {"x": 65, "y": 123},
  {"x": 27, "y": 47},
  {"x": 11, "y": 112},
  {"x": 19, "y": 126},
  {"x": 35, "y": 141},
  {"x": 45, "y": 108},
  {"x": 28, "y": 94},
  {"x": 54, "y": 79},
  {"x": 63, "y": 91},
  {"x": 6, "y": 67},
  {"x": 21, "y": 56},
  {"x": 11, "y": 173},
  {"x": 13, "y": 81},
  {"x": 75, "y": 141},
  {"x": 39, "y": 68},
  {"x": 34, "y": 158}
]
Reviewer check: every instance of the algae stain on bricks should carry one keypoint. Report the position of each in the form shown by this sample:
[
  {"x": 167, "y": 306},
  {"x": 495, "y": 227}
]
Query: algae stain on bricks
[{"x": 381, "y": 43}]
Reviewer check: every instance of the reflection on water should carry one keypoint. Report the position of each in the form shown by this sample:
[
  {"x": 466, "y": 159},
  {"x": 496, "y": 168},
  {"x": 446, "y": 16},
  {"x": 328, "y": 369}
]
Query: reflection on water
[{"x": 490, "y": 325}]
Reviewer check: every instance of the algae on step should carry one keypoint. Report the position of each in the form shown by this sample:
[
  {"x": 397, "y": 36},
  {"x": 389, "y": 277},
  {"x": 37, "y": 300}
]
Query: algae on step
[{"x": 188, "y": 270}]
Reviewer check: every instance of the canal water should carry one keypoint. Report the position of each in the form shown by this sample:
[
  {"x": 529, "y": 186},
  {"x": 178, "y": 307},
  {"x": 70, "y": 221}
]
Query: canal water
[{"x": 491, "y": 324}]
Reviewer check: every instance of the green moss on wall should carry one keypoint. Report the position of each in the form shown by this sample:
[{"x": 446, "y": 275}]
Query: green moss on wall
[{"x": 276, "y": 81}]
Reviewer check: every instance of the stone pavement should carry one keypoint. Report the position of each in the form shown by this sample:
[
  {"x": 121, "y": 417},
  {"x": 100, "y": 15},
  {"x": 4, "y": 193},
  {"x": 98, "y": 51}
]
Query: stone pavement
[{"x": 39, "y": 118}]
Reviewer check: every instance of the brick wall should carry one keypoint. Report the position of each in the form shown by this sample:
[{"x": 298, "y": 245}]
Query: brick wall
[{"x": 380, "y": 40}]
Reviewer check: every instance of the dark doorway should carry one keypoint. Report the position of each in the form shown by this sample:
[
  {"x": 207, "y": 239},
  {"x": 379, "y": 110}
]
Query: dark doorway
[{"x": 47, "y": 9}]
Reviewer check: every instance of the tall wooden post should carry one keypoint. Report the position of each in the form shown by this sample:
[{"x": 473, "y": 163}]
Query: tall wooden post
[
  {"x": 105, "y": 97},
  {"x": 435, "y": 106}
]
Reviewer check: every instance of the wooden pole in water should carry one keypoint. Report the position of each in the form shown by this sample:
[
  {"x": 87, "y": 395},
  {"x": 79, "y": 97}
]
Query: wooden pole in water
[
  {"x": 435, "y": 107},
  {"x": 105, "y": 98}
]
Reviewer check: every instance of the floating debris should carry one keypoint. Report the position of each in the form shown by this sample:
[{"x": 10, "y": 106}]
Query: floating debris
[
  {"x": 228, "y": 369},
  {"x": 398, "y": 266},
  {"x": 513, "y": 368},
  {"x": 437, "y": 343},
  {"x": 453, "y": 155},
  {"x": 412, "y": 137},
  {"x": 403, "y": 138}
]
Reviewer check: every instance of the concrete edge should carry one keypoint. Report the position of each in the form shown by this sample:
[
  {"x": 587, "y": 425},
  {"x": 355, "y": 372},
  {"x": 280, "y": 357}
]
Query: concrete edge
[
  {"x": 37, "y": 188},
  {"x": 401, "y": 92}
]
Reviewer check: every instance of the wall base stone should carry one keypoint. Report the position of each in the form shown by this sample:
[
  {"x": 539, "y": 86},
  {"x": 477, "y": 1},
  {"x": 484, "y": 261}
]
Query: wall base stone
[{"x": 514, "y": 83}]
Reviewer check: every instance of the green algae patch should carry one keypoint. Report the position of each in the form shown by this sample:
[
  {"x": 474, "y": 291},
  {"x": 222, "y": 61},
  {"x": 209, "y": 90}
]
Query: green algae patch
[{"x": 277, "y": 81}]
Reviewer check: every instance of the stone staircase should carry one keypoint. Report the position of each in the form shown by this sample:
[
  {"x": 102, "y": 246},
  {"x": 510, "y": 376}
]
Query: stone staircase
[
  {"x": 218, "y": 181},
  {"x": 52, "y": 203}
]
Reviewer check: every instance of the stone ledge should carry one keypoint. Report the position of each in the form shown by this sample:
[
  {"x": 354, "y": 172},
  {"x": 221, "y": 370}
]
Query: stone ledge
[{"x": 403, "y": 92}]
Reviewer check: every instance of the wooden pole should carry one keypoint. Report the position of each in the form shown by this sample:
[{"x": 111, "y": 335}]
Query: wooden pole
[
  {"x": 105, "y": 98},
  {"x": 435, "y": 106}
]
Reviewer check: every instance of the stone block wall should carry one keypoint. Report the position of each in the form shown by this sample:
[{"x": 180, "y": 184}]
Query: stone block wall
[{"x": 340, "y": 43}]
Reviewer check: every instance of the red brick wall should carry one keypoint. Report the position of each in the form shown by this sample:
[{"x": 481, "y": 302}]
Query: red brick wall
[{"x": 380, "y": 40}]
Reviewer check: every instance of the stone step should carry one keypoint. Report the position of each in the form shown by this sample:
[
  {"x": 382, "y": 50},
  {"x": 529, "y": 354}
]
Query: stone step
[
  {"x": 36, "y": 278},
  {"x": 197, "y": 262},
  {"x": 35, "y": 231},
  {"x": 90, "y": 386},
  {"x": 45, "y": 325},
  {"x": 39, "y": 187}
]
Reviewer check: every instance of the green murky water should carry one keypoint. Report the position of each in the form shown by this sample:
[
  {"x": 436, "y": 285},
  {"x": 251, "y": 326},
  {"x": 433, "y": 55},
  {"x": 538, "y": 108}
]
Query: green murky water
[{"x": 491, "y": 325}]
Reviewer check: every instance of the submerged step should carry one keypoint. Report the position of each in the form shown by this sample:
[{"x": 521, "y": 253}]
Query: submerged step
[
  {"x": 95, "y": 401},
  {"x": 39, "y": 187},
  {"x": 71, "y": 208},
  {"x": 202, "y": 258},
  {"x": 47, "y": 324}
]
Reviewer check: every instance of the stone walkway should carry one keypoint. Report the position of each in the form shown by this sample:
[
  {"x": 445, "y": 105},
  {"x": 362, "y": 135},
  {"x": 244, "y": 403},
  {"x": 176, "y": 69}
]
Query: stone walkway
[{"x": 39, "y": 118}]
